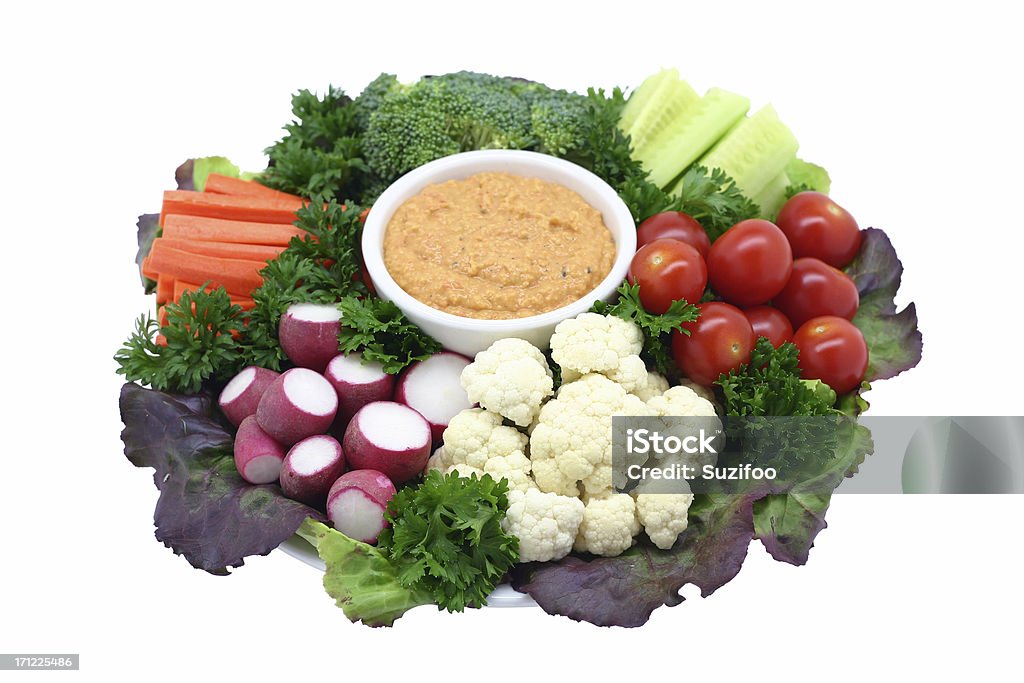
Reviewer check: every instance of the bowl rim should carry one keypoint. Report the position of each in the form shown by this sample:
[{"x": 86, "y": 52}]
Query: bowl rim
[{"x": 415, "y": 180}]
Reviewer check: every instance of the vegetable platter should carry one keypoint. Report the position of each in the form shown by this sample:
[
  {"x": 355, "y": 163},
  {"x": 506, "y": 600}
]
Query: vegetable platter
[{"x": 279, "y": 394}]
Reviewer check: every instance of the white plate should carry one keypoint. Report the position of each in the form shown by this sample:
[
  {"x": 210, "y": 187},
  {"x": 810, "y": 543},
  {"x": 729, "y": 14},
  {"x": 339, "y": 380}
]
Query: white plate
[{"x": 503, "y": 596}]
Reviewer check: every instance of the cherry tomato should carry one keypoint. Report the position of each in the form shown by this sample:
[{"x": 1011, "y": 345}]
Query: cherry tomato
[
  {"x": 816, "y": 288},
  {"x": 668, "y": 270},
  {"x": 818, "y": 227},
  {"x": 674, "y": 225},
  {"x": 770, "y": 322},
  {"x": 750, "y": 263},
  {"x": 720, "y": 340},
  {"x": 833, "y": 350}
]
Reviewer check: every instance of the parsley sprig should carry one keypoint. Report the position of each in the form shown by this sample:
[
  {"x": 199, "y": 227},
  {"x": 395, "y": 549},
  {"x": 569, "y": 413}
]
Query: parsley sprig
[
  {"x": 383, "y": 334},
  {"x": 199, "y": 344},
  {"x": 656, "y": 328},
  {"x": 446, "y": 538}
]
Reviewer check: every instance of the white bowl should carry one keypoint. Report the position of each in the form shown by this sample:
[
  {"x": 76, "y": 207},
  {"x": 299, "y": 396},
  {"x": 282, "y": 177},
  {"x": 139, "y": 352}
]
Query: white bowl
[{"x": 469, "y": 335}]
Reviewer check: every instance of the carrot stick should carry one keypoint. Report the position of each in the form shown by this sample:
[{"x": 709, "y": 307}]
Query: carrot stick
[
  {"x": 160, "y": 340},
  {"x": 148, "y": 270},
  {"x": 181, "y": 286},
  {"x": 165, "y": 289},
  {"x": 235, "y": 275},
  {"x": 198, "y": 228},
  {"x": 247, "y": 252},
  {"x": 222, "y": 184},
  {"x": 257, "y": 209}
]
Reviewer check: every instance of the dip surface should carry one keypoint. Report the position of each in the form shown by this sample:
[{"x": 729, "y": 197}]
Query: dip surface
[{"x": 497, "y": 246}]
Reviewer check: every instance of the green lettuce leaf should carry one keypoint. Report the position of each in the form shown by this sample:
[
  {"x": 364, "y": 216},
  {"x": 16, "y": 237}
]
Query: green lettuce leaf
[
  {"x": 192, "y": 173},
  {"x": 787, "y": 523},
  {"x": 894, "y": 342},
  {"x": 625, "y": 590},
  {"x": 363, "y": 583},
  {"x": 206, "y": 511}
]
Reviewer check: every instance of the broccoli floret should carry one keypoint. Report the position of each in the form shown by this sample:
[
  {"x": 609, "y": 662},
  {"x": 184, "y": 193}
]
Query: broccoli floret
[
  {"x": 560, "y": 122},
  {"x": 443, "y": 115},
  {"x": 373, "y": 95}
]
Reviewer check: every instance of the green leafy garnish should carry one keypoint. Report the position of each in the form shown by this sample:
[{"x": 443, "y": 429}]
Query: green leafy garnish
[
  {"x": 199, "y": 344},
  {"x": 360, "y": 578},
  {"x": 383, "y": 334},
  {"x": 796, "y": 189},
  {"x": 446, "y": 538},
  {"x": 656, "y": 328},
  {"x": 320, "y": 267},
  {"x": 770, "y": 384},
  {"x": 321, "y": 154},
  {"x": 714, "y": 200}
]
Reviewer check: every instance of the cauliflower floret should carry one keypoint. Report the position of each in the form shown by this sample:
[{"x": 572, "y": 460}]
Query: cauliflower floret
[
  {"x": 609, "y": 525},
  {"x": 513, "y": 468},
  {"x": 438, "y": 460},
  {"x": 545, "y": 524},
  {"x": 684, "y": 414},
  {"x": 476, "y": 435},
  {"x": 477, "y": 442},
  {"x": 510, "y": 378},
  {"x": 603, "y": 344},
  {"x": 681, "y": 401},
  {"x": 464, "y": 470},
  {"x": 572, "y": 440},
  {"x": 702, "y": 391},
  {"x": 656, "y": 385},
  {"x": 663, "y": 516}
]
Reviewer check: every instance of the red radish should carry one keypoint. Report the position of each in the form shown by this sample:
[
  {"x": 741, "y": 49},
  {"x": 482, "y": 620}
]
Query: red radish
[
  {"x": 309, "y": 334},
  {"x": 389, "y": 437},
  {"x": 356, "y": 504},
  {"x": 297, "y": 404},
  {"x": 310, "y": 468},
  {"x": 242, "y": 394},
  {"x": 357, "y": 384},
  {"x": 433, "y": 389},
  {"x": 257, "y": 456}
]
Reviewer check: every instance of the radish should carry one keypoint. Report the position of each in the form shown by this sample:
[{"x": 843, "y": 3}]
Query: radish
[
  {"x": 297, "y": 404},
  {"x": 433, "y": 389},
  {"x": 242, "y": 394},
  {"x": 309, "y": 334},
  {"x": 356, "y": 504},
  {"x": 357, "y": 384},
  {"x": 257, "y": 456},
  {"x": 310, "y": 468},
  {"x": 389, "y": 437}
]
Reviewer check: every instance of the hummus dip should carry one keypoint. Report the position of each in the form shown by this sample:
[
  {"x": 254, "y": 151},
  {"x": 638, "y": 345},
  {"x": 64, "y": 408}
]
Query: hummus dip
[{"x": 497, "y": 246}]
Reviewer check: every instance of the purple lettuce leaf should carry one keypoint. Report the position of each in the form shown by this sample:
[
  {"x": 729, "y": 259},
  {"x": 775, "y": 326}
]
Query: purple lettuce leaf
[
  {"x": 206, "y": 511},
  {"x": 147, "y": 228},
  {"x": 183, "y": 175},
  {"x": 894, "y": 342},
  {"x": 625, "y": 590}
]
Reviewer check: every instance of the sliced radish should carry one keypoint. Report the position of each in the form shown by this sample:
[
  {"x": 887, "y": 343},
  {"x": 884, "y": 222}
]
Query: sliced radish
[
  {"x": 257, "y": 456},
  {"x": 357, "y": 384},
  {"x": 242, "y": 394},
  {"x": 309, "y": 334},
  {"x": 297, "y": 404},
  {"x": 389, "y": 437},
  {"x": 310, "y": 468},
  {"x": 433, "y": 389},
  {"x": 356, "y": 504}
]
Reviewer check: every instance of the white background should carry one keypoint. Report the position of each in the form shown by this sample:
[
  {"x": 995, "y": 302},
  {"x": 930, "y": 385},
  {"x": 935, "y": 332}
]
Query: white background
[{"x": 915, "y": 112}]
